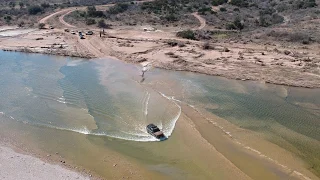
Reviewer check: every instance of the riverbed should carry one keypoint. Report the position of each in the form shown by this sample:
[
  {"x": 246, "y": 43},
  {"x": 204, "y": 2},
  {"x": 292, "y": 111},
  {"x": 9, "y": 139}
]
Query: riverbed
[{"x": 90, "y": 110}]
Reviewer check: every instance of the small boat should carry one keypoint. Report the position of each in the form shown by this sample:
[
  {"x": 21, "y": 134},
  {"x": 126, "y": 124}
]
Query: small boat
[{"x": 155, "y": 131}]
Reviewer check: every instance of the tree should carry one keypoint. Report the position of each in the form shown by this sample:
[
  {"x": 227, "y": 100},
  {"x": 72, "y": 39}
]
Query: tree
[
  {"x": 33, "y": 10},
  {"x": 21, "y": 4},
  {"x": 7, "y": 18},
  {"x": 91, "y": 11},
  {"x": 102, "y": 24},
  {"x": 118, "y": 8},
  {"x": 21, "y": 24},
  {"x": 45, "y": 5},
  {"x": 218, "y": 2},
  {"x": 240, "y": 3},
  {"x": 171, "y": 18},
  {"x": 41, "y": 25},
  {"x": 237, "y": 22},
  {"x": 12, "y": 4}
]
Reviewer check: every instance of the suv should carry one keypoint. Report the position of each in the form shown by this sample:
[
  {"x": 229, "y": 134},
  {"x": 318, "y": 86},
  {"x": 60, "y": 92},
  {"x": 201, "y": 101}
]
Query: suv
[{"x": 155, "y": 131}]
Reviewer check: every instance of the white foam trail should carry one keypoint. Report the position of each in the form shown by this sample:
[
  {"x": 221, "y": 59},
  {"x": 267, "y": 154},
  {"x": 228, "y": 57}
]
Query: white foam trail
[
  {"x": 63, "y": 102},
  {"x": 147, "y": 104},
  {"x": 83, "y": 130},
  {"x": 168, "y": 131},
  {"x": 143, "y": 137},
  {"x": 138, "y": 134}
]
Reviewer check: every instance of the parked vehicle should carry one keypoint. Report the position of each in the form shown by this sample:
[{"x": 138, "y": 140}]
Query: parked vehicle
[
  {"x": 66, "y": 30},
  {"x": 89, "y": 33}
]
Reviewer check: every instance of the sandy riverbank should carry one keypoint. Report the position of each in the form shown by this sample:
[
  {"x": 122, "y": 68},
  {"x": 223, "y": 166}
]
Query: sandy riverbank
[
  {"x": 20, "y": 166},
  {"x": 243, "y": 61}
]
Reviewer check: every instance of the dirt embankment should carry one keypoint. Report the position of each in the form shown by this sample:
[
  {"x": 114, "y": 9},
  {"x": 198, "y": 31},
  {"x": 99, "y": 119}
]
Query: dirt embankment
[{"x": 294, "y": 66}]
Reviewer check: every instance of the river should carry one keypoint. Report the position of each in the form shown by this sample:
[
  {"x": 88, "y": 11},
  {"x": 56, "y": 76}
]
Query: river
[{"x": 107, "y": 103}]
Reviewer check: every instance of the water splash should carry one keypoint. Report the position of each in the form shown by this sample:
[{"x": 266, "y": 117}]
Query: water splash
[{"x": 167, "y": 130}]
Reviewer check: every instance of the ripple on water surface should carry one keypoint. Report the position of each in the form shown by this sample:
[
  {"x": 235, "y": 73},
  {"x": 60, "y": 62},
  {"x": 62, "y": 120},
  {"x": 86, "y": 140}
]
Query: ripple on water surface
[{"x": 73, "y": 95}]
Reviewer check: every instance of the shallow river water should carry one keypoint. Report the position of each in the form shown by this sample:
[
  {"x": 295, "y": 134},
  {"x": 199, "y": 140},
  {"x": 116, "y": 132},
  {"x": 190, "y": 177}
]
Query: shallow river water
[{"x": 107, "y": 100}]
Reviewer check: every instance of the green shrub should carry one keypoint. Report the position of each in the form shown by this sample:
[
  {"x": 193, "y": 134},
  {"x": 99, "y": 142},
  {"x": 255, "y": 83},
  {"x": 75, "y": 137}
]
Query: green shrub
[
  {"x": 203, "y": 10},
  {"x": 231, "y": 26},
  {"x": 33, "y": 10},
  {"x": 12, "y": 4},
  {"x": 45, "y": 5},
  {"x": 21, "y": 24},
  {"x": 102, "y": 24},
  {"x": 92, "y": 12},
  {"x": 118, "y": 8},
  {"x": 237, "y": 24},
  {"x": 240, "y": 3},
  {"x": 303, "y": 4},
  {"x": 21, "y": 4},
  {"x": 7, "y": 18},
  {"x": 171, "y": 18},
  {"x": 90, "y": 21},
  {"x": 223, "y": 9},
  {"x": 41, "y": 25},
  {"x": 187, "y": 34},
  {"x": 218, "y": 2}
]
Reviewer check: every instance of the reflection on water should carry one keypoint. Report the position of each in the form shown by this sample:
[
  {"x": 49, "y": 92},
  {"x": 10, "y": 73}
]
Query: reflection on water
[
  {"x": 68, "y": 95},
  {"x": 106, "y": 98}
]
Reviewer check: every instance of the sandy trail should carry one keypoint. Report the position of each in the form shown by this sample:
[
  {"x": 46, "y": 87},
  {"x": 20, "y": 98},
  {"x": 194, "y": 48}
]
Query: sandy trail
[
  {"x": 92, "y": 49},
  {"x": 45, "y": 19},
  {"x": 70, "y": 10},
  {"x": 201, "y": 20},
  {"x": 61, "y": 19}
]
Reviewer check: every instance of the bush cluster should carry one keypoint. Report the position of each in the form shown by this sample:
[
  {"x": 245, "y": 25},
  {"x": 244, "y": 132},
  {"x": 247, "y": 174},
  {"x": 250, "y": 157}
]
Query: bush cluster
[
  {"x": 33, "y": 10},
  {"x": 187, "y": 34},
  {"x": 118, "y": 8}
]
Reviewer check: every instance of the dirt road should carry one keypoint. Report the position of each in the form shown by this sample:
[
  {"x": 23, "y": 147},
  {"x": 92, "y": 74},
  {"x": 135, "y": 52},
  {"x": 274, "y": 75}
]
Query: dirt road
[
  {"x": 201, "y": 20},
  {"x": 61, "y": 19},
  {"x": 45, "y": 19}
]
